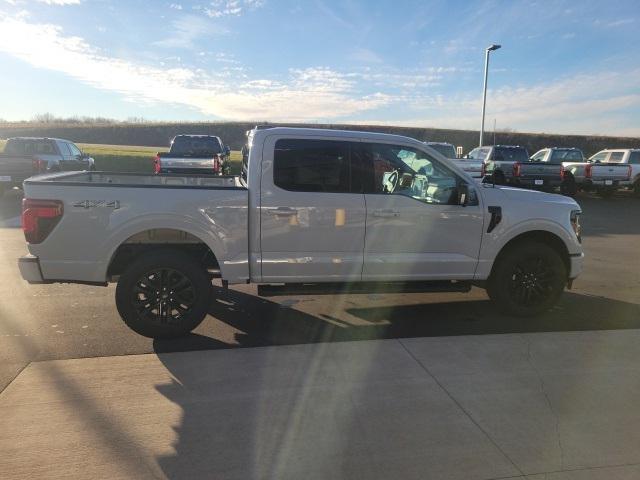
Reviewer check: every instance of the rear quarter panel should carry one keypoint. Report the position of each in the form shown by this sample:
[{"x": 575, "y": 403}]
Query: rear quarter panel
[{"x": 82, "y": 245}]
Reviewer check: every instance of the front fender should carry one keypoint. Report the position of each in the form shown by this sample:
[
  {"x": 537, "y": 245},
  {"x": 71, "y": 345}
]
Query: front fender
[{"x": 500, "y": 237}]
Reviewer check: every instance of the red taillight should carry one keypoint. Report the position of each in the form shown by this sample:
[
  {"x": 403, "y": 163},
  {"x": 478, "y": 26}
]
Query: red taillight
[
  {"x": 217, "y": 164},
  {"x": 39, "y": 217},
  {"x": 157, "y": 166},
  {"x": 516, "y": 169},
  {"x": 587, "y": 170},
  {"x": 483, "y": 170},
  {"x": 630, "y": 171},
  {"x": 39, "y": 165},
  {"x": 562, "y": 173}
]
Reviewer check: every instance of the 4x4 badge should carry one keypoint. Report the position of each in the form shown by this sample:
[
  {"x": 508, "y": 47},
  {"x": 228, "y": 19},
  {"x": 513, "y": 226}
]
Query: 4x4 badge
[{"x": 87, "y": 204}]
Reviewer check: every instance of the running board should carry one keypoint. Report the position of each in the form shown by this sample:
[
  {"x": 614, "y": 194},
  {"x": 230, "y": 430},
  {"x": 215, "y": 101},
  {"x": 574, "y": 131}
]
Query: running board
[{"x": 362, "y": 287}]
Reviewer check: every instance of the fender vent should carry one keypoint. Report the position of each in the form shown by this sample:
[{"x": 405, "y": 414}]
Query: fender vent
[{"x": 496, "y": 218}]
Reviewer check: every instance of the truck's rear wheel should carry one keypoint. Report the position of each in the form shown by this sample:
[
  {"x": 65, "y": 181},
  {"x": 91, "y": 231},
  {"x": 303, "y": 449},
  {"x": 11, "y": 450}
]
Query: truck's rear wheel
[
  {"x": 636, "y": 189},
  {"x": 527, "y": 280},
  {"x": 569, "y": 187},
  {"x": 163, "y": 294}
]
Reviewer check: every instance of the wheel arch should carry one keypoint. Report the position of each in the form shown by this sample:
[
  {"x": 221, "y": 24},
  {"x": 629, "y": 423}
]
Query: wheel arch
[
  {"x": 539, "y": 236},
  {"x": 132, "y": 241}
]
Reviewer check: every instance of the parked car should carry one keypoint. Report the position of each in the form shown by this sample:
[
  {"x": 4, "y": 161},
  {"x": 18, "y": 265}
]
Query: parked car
[
  {"x": 623, "y": 156},
  {"x": 294, "y": 223},
  {"x": 24, "y": 157},
  {"x": 603, "y": 178},
  {"x": 511, "y": 165},
  {"x": 469, "y": 165},
  {"x": 194, "y": 154}
]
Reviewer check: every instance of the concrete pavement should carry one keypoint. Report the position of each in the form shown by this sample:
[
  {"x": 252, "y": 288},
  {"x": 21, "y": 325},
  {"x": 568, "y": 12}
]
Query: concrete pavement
[{"x": 562, "y": 405}]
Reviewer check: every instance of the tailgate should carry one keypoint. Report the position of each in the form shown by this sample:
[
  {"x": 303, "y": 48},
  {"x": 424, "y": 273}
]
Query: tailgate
[
  {"x": 190, "y": 163},
  {"x": 540, "y": 171},
  {"x": 611, "y": 171},
  {"x": 14, "y": 166}
]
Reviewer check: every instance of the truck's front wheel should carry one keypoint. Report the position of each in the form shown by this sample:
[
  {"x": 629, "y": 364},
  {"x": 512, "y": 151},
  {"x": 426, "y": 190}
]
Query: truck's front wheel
[
  {"x": 527, "y": 279},
  {"x": 163, "y": 294}
]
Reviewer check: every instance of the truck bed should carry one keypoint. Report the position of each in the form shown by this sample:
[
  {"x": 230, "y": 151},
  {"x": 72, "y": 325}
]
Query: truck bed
[
  {"x": 103, "y": 211},
  {"x": 109, "y": 179}
]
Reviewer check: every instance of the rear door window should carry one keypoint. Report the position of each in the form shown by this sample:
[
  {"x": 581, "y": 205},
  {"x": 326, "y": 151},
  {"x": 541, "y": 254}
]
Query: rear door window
[
  {"x": 634, "y": 158},
  {"x": 312, "y": 166}
]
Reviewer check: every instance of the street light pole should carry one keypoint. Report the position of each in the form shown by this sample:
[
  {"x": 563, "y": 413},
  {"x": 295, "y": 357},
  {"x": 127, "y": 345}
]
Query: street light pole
[{"x": 484, "y": 88}]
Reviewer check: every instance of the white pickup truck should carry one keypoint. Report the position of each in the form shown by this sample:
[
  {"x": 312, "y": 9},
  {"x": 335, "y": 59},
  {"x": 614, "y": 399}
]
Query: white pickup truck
[
  {"x": 629, "y": 157},
  {"x": 592, "y": 175},
  {"x": 314, "y": 212}
]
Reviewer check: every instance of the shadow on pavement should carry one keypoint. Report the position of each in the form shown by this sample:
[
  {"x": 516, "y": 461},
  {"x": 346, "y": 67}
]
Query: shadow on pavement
[{"x": 265, "y": 323}]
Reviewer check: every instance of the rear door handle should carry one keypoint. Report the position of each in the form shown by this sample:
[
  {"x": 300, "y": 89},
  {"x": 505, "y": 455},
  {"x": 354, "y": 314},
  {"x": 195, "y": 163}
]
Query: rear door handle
[
  {"x": 282, "y": 212},
  {"x": 386, "y": 213}
]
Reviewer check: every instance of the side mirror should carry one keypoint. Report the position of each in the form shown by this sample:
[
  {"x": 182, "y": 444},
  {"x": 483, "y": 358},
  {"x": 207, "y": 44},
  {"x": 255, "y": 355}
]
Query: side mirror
[{"x": 463, "y": 194}]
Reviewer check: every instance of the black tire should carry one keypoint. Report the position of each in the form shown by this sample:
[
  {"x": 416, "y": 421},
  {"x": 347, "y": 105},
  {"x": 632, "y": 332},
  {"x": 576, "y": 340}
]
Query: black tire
[
  {"x": 163, "y": 294},
  {"x": 569, "y": 187},
  {"x": 527, "y": 279},
  {"x": 636, "y": 189}
]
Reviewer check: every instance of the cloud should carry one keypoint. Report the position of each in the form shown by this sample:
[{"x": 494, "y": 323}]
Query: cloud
[
  {"x": 602, "y": 101},
  {"x": 595, "y": 103},
  {"x": 306, "y": 94},
  {"x": 60, "y": 2},
  {"x": 230, "y": 8},
  {"x": 186, "y": 29},
  {"x": 176, "y": 6},
  {"x": 364, "y": 55},
  {"x": 618, "y": 23}
]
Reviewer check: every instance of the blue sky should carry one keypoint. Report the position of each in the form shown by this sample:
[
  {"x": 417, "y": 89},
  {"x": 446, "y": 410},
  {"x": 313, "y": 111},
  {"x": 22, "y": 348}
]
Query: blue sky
[{"x": 565, "y": 66}]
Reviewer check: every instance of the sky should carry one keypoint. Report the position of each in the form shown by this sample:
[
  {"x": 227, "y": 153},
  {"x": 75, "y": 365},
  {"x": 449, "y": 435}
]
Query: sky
[{"x": 564, "y": 66}]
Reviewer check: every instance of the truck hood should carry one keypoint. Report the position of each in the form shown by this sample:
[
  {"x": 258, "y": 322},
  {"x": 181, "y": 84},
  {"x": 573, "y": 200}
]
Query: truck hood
[{"x": 500, "y": 194}]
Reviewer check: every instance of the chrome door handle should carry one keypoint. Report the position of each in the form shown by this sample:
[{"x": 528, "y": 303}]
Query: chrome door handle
[
  {"x": 283, "y": 212},
  {"x": 386, "y": 213}
]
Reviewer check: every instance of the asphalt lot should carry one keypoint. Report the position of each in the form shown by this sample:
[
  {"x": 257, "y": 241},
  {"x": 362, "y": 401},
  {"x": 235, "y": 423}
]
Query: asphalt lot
[{"x": 71, "y": 321}]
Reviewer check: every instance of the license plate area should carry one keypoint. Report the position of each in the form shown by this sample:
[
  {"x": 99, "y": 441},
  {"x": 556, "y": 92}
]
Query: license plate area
[
  {"x": 538, "y": 182},
  {"x": 608, "y": 182}
]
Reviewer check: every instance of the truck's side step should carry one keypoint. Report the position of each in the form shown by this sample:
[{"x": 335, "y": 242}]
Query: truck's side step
[{"x": 362, "y": 287}]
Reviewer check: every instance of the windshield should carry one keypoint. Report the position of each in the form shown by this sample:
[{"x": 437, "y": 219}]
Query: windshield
[
  {"x": 196, "y": 146},
  {"x": 559, "y": 156},
  {"x": 479, "y": 153},
  {"x": 510, "y": 154},
  {"x": 445, "y": 149}
]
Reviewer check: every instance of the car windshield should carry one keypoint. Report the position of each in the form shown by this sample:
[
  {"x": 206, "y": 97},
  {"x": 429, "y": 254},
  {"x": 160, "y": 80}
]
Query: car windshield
[
  {"x": 196, "y": 146},
  {"x": 445, "y": 149},
  {"x": 479, "y": 153}
]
